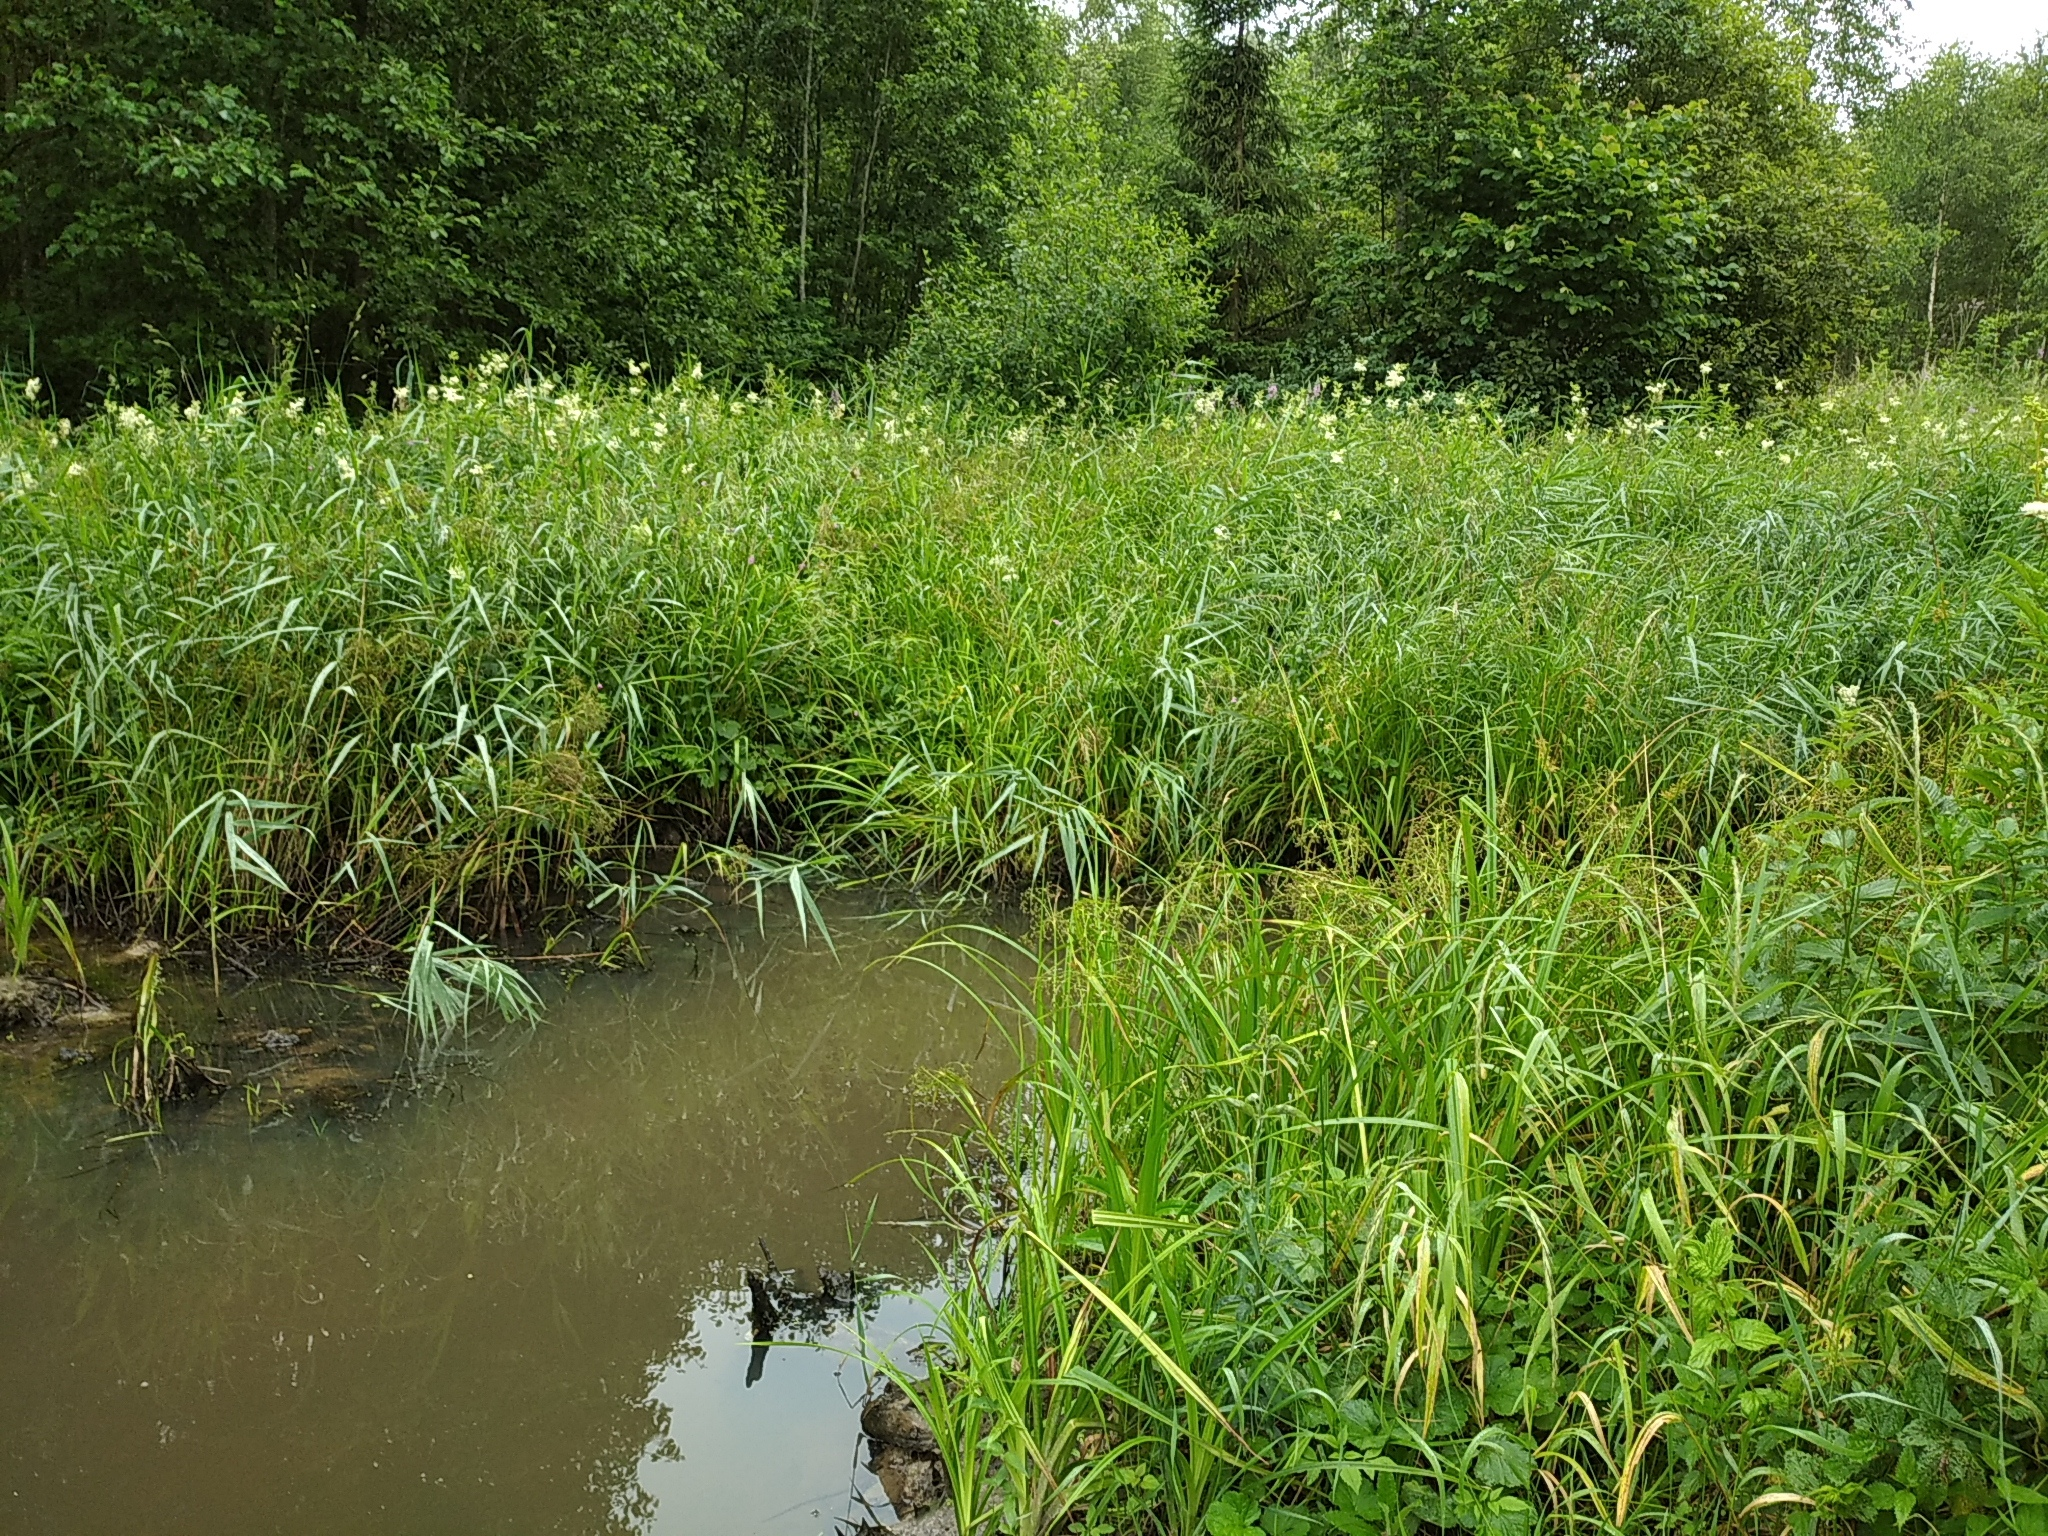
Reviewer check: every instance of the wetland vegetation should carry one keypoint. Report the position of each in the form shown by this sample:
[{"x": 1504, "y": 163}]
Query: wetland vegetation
[
  {"x": 1540, "y": 1024},
  {"x": 1476, "y": 570}
]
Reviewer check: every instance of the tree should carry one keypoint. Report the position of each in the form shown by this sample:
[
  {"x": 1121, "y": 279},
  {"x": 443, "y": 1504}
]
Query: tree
[
  {"x": 344, "y": 183},
  {"x": 1088, "y": 289},
  {"x": 1961, "y": 154},
  {"x": 1245, "y": 204},
  {"x": 1548, "y": 193}
]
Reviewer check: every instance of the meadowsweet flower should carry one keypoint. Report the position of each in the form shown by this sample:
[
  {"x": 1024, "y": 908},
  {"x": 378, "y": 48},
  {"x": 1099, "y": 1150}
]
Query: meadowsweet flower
[
  {"x": 1358, "y": 365},
  {"x": 63, "y": 426},
  {"x": 1778, "y": 385},
  {"x": 1222, "y": 531},
  {"x": 2036, "y": 509},
  {"x": 31, "y": 390},
  {"x": 1770, "y": 442},
  {"x": 1706, "y": 369},
  {"x": 76, "y": 468},
  {"x": 458, "y": 575},
  {"x": 345, "y": 469},
  {"x": 1396, "y": 376},
  {"x": 1784, "y": 458},
  {"x": 131, "y": 418},
  {"x": 192, "y": 411},
  {"x": 1656, "y": 389},
  {"x": 1846, "y": 694},
  {"x": 1336, "y": 516},
  {"x": 400, "y": 397},
  {"x": 1337, "y": 457},
  {"x": 696, "y": 370}
]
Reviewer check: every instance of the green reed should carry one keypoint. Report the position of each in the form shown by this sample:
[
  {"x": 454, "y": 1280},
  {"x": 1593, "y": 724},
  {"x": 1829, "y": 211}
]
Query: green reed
[
  {"x": 270, "y": 666},
  {"x": 1523, "y": 1188}
]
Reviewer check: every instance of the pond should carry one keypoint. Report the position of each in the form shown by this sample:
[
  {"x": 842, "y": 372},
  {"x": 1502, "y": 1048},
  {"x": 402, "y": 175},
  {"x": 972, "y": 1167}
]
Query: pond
[{"x": 514, "y": 1300}]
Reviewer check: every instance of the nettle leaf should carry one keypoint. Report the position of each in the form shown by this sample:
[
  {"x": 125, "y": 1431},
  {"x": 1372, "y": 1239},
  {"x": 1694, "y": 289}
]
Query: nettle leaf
[
  {"x": 1746, "y": 1333},
  {"x": 1232, "y": 1514},
  {"x": 1500, "y": 1460}
]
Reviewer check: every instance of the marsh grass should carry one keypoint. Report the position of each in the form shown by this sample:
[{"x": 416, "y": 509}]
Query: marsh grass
[
  {"x": 156, "y": 1064},
  {"x": 1545, "y": 1031},
  {"x": 1523, "y": 1190},
  {"x": 447, "y": 978},
  {"x": 268, "y": 667}
]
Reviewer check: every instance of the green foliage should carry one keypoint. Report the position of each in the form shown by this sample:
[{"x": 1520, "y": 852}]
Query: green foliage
[
  {"x": 1089, "y": 290},
  {"x": 1234, "y": 142},
  {"x": 445, "y": 978},
  {"x": 337, "y": 189},
  {"x": 264, "y": 668},
  {"x": 1542, "y": 246},
  {"x": 1961, "y": 154},
  {"x": 1514, "y": 1192},
  {"x": 1595, "y": 195}
]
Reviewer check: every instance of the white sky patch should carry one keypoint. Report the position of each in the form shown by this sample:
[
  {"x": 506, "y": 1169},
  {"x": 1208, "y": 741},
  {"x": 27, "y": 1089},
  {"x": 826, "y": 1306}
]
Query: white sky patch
[{"x": 1997, "y": 28}]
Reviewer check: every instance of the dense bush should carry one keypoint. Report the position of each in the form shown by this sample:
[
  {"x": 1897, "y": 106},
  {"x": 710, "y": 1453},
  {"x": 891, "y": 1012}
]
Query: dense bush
[
  {"x": 1546, "y": 195},
  {"x": 1543, "y": 246},
  {"x": 1087, "y": 289},
  {"x": 342, "y": 187}
]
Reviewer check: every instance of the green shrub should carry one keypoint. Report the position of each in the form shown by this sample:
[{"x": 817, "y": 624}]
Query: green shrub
[{"x": 1090, "y": 288}]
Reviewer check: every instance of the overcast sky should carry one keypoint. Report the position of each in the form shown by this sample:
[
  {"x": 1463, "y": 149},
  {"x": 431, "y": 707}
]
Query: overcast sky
[{"x": 1997, "y": 27}]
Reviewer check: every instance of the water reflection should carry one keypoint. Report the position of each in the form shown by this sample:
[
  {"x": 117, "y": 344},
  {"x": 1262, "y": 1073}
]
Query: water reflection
[{"x": 518, "y": 1304}]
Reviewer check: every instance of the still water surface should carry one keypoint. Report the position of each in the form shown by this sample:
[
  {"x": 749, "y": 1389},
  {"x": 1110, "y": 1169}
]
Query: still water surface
[{"x": 515, "y": 1303}]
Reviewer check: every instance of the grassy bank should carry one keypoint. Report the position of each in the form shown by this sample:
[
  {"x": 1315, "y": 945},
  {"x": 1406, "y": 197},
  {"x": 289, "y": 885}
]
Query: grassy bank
[
  {"x": 1519, "y": 1192},
  {"x": 264, "y": 666},
  {"x": 1577, "y": 1063}
]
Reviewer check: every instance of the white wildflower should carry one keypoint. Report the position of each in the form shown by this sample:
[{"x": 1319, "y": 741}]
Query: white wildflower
[
  {"x": 131, "y": 418},
  {"x": 31, "y": 390},
  {"x": 2036, "y": 509},
  {"x": 77, "y": 469},
  {"x": 1396, "y": 376}
]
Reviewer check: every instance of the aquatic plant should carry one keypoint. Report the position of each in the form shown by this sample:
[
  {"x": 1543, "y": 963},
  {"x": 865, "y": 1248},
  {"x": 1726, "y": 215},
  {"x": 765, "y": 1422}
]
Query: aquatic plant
[
  {"x": 155, "y": 1063},
  {"x": 446, "y": 977},
  {"x": 1528, "y": 1188},
  {"x": 271, "y": 667}
]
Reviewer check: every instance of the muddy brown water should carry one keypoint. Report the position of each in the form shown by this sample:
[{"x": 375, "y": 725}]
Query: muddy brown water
[{"x": 513, "y": 1300}]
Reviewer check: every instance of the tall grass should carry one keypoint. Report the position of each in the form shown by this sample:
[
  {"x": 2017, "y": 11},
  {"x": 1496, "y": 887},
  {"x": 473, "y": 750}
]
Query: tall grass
[
  {"x": 1526, "y": 1189},
  {"x": 263, "y": 664}
]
